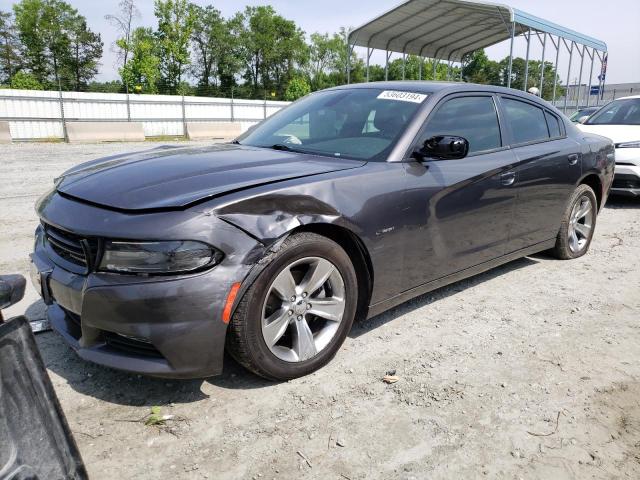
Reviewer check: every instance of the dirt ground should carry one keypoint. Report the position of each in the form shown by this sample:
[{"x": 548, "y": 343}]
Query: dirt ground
[{"x": 529, "y": 371}]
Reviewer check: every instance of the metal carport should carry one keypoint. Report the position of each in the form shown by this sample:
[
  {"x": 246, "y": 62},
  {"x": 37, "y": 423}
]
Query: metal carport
[{"x": 451, "y": 29}]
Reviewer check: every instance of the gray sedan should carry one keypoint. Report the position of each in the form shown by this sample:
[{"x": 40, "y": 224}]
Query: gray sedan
[{"x": 341, "y": 206}]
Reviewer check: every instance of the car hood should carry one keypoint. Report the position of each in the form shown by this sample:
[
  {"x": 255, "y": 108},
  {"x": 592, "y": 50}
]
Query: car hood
[
  {"x": 617, "y": 133},
  {"x": 169, "y": 178}
]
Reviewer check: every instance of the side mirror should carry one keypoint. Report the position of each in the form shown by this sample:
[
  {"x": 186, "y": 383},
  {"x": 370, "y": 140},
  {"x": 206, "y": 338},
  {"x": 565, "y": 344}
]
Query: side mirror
[
  {"x": 444, "y": 147},
  {"x": 583, "y": 119},
  {"x": 11, "y": 290}
]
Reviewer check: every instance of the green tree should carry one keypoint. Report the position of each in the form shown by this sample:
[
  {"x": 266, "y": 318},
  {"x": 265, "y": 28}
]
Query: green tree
[
  {"x": 86, "y": 50},
  {"x": 10, "y": 55},
  {"x": 214, "y": 48},
  {"x": 176, "y": 19},
  {"x": 338, "y": 75},
  {"x": 25, "y": 81},
  {"x": 271, "y": 48},
  {"x": 114, "y": 86},
  {"x": 298, "y": 87},
  {"x": 48, "y": 31},
  {"x": 142, "y": 71},
  {"x": 324, "y": 58},
  {"x": 479, "y": 69}
]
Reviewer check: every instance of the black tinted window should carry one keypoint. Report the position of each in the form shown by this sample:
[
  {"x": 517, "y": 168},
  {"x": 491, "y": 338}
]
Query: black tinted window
[
  {"x": 554, "y": 125},
  {"x": 473, "y": 118},
  {"x": 526, "y": 121}
]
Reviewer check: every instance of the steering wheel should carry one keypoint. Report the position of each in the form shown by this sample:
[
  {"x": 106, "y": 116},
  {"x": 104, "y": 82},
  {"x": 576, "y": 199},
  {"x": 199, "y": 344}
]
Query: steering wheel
[{"x": 290, "y": 139}]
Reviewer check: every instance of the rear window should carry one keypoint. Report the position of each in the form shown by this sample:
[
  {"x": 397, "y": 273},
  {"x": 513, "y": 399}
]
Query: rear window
[
  {"x": 554, "y": 125},
  {"x": 527, "y": 121}
]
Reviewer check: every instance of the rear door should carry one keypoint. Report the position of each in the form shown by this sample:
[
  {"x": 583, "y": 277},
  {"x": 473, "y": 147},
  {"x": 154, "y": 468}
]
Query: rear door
[
  {"x": 459, "y": 211},
  {"x": 548, "y": 166}
]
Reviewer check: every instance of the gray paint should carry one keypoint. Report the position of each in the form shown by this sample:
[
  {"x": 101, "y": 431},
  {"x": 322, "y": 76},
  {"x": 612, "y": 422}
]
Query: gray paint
[{"x": 420, "y": 225}]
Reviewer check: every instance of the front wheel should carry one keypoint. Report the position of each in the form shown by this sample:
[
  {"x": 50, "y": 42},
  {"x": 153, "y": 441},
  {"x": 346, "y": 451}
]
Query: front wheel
[
  {"x": 578, "y": 224},
  {"x": 296, "y": 315}
]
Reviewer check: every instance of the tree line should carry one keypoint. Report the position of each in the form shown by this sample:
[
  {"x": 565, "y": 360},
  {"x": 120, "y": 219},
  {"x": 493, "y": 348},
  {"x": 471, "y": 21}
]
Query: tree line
[{"x": 195, "y": 50}]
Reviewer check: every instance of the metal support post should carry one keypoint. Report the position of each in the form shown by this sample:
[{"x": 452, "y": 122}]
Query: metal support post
[
  {"x": 513, "y": 31},
  {"x": 348, "y": 73},
  {"x": 386, "y": 65},
  {"x": 64, "y": 122},
  {"x": 555, "y": 67},
  {"x": 592, "y": 55},
  {"x": 526, "y": 61},
  {"x": 126, "y": 87},
  {"x": 566, "y": 94},
  {"x": 404, "y": 64},
  {"x": 605, "y": 59},
  {"x": 544, "y": 48},
  {"x": 184, "y": 118},
  {"x": 580, "y": 76}
]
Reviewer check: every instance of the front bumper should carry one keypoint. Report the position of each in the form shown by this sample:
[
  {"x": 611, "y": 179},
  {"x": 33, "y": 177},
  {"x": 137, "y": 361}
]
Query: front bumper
[
  {"x": 626, "y": 180},
  {"x": 627, "y": 175},
  {"x": 167, "y": 326}
]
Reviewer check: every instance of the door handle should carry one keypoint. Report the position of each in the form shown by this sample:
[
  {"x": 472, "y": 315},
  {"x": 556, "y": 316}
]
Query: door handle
[
  {"x": 508, "y": 178},
  {"x": 573, "y": 158}
]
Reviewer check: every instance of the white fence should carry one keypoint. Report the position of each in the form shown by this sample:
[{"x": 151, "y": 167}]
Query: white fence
[{"x": 34, "y": 114}]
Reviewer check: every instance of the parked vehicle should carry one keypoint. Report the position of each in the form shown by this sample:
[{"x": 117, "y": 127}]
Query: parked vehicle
[
  {"x": 620, "y": 121},
  {"x": 348, "y": 202},
  {"x": 582, "y": 114}
]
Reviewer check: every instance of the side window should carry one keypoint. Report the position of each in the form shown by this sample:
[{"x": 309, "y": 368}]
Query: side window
[
  {"x": 527, "y": 121},
  {"x": 554, "y": 125},
  {"x": 474, "y": 118}
]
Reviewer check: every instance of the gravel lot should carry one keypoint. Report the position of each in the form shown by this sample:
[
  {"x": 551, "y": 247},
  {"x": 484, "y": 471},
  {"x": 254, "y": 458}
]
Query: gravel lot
[{"x": 529, "y": 371}]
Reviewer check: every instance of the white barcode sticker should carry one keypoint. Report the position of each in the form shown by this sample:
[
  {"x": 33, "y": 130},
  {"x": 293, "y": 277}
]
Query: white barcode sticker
[{"x": 402, "y": 96}]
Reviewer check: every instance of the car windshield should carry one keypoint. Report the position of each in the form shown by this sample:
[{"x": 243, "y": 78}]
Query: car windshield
[
  {"x": 618, "y": 112},
  {"x": 581, "y": 113},
  {"x": 359, "y": 123}
]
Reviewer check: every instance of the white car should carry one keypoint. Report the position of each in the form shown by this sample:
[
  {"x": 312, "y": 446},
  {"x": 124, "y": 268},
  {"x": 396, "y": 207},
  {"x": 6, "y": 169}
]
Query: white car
[{"x": 620, "y": 121}]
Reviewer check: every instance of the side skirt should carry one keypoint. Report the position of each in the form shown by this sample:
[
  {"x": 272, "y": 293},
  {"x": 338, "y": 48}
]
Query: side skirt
[{"x": 385, "y": 305}]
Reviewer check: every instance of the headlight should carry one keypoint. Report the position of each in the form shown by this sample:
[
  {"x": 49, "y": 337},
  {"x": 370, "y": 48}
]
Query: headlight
[
  {"x": 635, "y": 144},
  {"x": 157, "y": 257}
]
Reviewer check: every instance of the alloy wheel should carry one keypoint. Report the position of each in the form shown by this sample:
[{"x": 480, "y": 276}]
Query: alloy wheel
[
  {"x": 580, "y": 224},
  {"x": 303, "y": 309}
]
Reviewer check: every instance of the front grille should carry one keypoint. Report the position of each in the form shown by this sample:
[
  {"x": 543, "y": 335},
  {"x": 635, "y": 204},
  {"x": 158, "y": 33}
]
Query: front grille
[
  {"x": 130, "y": 345},
  {"x": 71, "y": 247},
  {"x": 625, "y": 180}
]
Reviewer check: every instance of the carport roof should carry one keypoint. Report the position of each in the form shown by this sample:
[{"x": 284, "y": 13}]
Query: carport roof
[{"x": 449, "y": 29}]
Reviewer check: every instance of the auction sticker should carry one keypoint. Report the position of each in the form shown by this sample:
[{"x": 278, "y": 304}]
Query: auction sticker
[{"x": 402, "y": 96}]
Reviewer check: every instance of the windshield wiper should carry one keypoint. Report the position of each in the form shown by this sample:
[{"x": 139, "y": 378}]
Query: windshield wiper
[{"x": 285, "y": 148}]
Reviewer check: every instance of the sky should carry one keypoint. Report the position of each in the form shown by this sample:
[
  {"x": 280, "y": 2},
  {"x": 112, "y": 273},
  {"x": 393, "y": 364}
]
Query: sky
[{"x": 616, "y": 22}]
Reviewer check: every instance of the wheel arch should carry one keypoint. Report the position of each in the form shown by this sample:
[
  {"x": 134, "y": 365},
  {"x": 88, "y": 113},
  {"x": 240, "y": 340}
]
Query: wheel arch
[
  {"x": 593, "y": 180},
  {"x": 347, "y": 239},
  {"x": 357, "y": 251}
]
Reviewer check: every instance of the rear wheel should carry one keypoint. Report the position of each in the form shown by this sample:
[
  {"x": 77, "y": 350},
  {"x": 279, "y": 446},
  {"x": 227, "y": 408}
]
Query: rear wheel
[
  {"x": 578, "y": 224},
  {"x": 296, "y": 315}
]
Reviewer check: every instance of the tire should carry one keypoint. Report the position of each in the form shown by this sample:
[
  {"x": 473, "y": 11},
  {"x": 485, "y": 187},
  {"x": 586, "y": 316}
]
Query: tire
[
  {"x": 292, "y": 356},
  {"x": 567, "y": 246}
]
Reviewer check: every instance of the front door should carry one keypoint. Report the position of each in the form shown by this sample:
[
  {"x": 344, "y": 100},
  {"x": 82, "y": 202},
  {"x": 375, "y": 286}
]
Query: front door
[{"x": 460, "y": 210}]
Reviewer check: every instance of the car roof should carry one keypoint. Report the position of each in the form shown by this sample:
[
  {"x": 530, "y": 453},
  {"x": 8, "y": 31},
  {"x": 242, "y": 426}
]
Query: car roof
[
  {"x": 432, "y": 87},
  {"x": 628, "y": 98}
]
